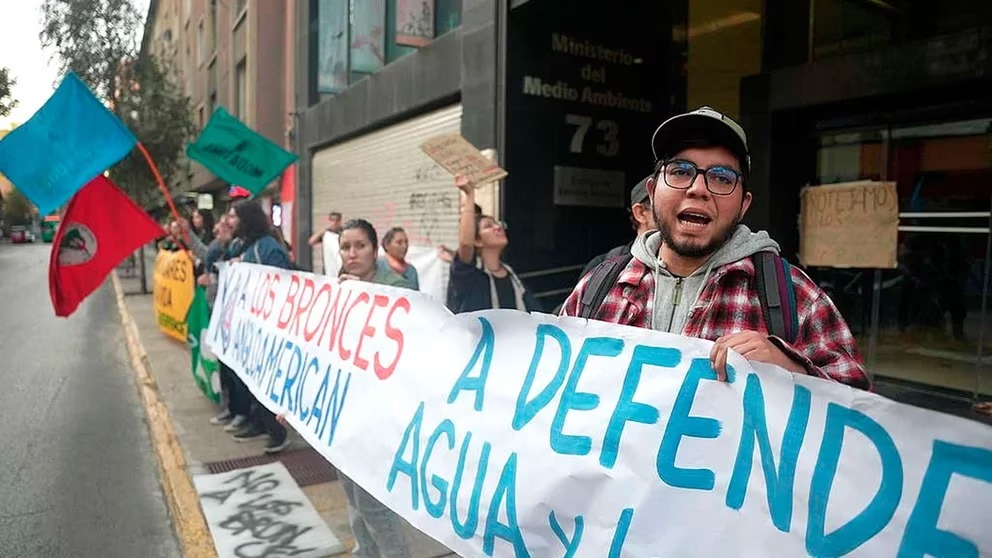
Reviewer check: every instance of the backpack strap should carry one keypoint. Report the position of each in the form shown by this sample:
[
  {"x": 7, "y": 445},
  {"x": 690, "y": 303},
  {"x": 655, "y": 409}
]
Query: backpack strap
[
  {"x": 773, "y": 278},
  {"x": 602, "y": 278}
]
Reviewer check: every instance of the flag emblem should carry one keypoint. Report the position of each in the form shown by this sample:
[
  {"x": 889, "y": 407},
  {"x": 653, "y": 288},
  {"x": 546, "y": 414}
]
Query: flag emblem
[{"x": 78, "y": 245}]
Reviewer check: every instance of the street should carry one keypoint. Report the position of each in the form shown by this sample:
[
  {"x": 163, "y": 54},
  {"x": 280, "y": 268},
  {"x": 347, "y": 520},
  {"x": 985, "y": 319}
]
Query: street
[{"x": 79, "y": 475}]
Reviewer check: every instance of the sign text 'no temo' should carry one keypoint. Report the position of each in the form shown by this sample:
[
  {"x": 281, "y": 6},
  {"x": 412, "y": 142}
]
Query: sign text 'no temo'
[{"x": 850, "y": 225}]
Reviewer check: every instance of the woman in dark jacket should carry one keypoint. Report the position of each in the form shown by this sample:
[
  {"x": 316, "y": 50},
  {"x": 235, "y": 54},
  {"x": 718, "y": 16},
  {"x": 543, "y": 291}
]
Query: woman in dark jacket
[
  {"x": 257, "y": 245},
  {"x": 378, "y": 530},
  {"x": 487, "y": 282}
]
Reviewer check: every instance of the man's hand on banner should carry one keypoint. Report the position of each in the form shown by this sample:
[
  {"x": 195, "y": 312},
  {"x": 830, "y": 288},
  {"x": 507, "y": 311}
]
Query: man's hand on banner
[
  {"x": 753, "y": 346},
  {"x": 203, "y": 280}
]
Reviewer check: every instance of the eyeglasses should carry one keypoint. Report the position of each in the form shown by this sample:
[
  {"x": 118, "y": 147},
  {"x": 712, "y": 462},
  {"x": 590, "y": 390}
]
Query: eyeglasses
[
  {"x": 720, "y": 181},
  {"x": 487, "y": 224}
]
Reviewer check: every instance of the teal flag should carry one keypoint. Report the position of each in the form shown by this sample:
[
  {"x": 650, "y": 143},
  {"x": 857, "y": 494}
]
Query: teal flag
[
  {"x": 204, "y": 362},
  {"x": 238, "y": 154}
]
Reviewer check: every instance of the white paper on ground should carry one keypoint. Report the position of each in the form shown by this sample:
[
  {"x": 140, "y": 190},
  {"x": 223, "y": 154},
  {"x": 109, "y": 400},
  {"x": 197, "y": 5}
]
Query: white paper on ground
[{"x": 261, "y": 511}]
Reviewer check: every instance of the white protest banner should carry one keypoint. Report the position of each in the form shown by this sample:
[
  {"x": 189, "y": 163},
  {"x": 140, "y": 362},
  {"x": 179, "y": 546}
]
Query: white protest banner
[
  {"x": 505, "y": 434},
  {"x": 431, "y": 271},
  {"x": 331, "y": 252}
]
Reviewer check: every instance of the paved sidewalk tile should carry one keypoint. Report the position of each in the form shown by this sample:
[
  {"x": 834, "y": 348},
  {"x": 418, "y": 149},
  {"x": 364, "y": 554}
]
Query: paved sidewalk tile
[{"x": 204, "y": 443}]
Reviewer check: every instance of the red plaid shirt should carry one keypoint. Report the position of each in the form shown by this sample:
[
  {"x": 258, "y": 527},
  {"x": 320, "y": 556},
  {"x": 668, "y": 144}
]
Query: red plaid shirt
[{"x": 729, "y": 304}]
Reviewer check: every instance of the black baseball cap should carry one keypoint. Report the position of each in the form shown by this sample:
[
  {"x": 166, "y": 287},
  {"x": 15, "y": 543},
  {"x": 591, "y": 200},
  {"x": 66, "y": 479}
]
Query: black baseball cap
[
  {"x": 702, "y": 123},
  {"x": 640, "y": 192}
]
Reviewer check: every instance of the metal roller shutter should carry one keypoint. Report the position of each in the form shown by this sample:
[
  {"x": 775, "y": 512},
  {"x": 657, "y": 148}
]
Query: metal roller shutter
[{"x": 385, "y": 178}]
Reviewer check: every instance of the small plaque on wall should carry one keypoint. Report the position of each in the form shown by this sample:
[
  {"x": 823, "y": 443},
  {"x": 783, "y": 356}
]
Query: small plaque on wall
[{"x": 577, "y": 186}]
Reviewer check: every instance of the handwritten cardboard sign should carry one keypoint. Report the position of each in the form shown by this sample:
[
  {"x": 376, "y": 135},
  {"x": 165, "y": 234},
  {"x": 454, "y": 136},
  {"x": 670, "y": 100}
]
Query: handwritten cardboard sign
[
  {"x": 261, "y": 511},
  {"x": 461, "y": 158},
  {"x": 501, "y": 433},
  {"x": 853, "y": 224},
  {"x": 173, "y": 284}
]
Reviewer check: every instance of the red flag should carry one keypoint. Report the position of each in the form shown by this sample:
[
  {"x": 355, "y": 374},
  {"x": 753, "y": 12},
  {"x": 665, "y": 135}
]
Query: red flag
[{"x": 100, "y": 228}]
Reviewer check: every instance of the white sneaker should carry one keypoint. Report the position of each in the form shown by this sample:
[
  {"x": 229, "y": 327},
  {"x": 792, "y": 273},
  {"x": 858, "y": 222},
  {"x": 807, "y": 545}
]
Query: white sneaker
[
  {"x": 221, "y": 418},
  {"x": 236, "y": 423},
  {"x": 276, "y": 445}
]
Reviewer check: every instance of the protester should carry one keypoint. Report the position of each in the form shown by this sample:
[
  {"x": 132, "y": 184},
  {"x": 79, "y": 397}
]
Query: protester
[
  {"x": 487, "y": 282},
  {"x": 378, "y": 531},
  {"x": 203, "y": 225},
  {"x": 281, "y": 238},
  {"x": 173, "y": 241},
  {"x": 259, "y": 246},
  {"x": 358, "y": 245},
  {"x": 396, "y": 244},
  {"x": 200, "y": 238},
  {"x": 237, "y": 403},
  {"x": 696, "y": 275},
  {"x": 641, "y": 219},
  {"x": 447, "y": 254},
  {"x": 333, "y": 225}
]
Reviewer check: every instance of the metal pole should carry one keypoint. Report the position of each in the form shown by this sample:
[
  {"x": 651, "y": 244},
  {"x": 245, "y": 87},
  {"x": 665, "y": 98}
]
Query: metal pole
[
  {"x": 876, "y": 303},
  {"x": 141, "y": 262},
  {"x": 981, "y": 326},
  {"x": 876, "y": 287}
]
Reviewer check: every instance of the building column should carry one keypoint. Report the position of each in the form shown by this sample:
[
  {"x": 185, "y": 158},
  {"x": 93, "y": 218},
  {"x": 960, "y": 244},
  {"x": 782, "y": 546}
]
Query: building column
[
  {"x": 306, "y": 96},
  {"x": 480, "y": 71}
]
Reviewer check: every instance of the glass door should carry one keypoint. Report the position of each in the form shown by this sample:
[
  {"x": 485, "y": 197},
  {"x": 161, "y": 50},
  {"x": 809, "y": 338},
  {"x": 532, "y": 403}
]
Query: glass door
[{"x": 932, "y": 314}]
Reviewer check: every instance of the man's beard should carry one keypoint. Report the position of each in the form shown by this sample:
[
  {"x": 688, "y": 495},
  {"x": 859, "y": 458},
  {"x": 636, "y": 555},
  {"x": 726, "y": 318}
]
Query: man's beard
[{"x": 690, "y": 249}]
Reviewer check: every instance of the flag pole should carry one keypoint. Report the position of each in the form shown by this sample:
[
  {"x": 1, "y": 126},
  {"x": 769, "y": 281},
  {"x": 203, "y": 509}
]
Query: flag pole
[
  {"x": 160, "y": 181},
  {"x": 168, "y": 200}
]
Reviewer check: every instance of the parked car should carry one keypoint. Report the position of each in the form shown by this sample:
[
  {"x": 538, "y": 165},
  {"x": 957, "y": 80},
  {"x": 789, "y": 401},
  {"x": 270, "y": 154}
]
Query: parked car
[{"x": 21, "y": 235}]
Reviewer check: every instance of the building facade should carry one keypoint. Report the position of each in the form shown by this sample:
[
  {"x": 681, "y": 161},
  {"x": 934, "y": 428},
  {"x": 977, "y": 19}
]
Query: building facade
[
  {"x": 372, "y": 91},
  {"x": 567, "y": 95},
  {"x": 236, "y": 54},
  {"x": 895, "y": 91}
]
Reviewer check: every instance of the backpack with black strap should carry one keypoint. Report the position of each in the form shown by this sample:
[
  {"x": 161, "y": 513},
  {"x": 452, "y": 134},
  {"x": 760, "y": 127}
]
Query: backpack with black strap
[{"x": 773, "y": 279}]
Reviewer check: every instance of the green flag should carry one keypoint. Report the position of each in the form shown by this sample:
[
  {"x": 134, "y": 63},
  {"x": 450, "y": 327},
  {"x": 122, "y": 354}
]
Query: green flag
[
  {"x": 204, "y": 363},
  {"x": 238, "y": 154}
]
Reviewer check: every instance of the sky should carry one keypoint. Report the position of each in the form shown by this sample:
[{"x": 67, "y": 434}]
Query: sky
[{"x": 21, "y": 52}]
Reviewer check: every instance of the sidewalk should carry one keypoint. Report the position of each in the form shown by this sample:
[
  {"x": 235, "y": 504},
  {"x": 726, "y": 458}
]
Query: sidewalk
[{"x": 208, "y": 449}]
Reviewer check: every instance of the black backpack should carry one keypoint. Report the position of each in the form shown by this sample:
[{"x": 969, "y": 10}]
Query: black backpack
[{"x": 772, "y": 274}]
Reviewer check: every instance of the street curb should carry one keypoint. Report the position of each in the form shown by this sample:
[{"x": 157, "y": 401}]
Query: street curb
[{"x": 184, "y": 505}]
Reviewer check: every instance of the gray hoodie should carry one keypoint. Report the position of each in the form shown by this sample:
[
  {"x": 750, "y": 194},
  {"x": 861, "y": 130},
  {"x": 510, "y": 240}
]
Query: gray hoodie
[{"x": 674, "y": 297}]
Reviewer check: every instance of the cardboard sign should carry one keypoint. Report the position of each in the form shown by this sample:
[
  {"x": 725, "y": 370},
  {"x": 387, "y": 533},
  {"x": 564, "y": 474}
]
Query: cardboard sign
[
  {"x": 261, "y": 511},
  {"x": 501, "y": 433},
  {"x": 461, "y": 158},
  {"x": 173, "y": 284},
  {"x": 850, "y": 225}
]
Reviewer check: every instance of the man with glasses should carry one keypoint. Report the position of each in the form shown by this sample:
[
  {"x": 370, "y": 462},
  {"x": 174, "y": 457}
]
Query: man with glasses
[{"x": 695, "y": 275}]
